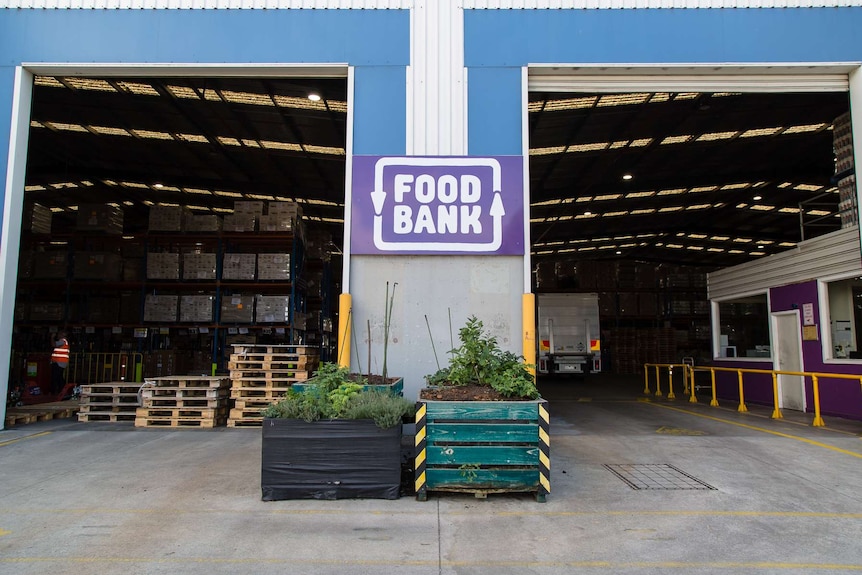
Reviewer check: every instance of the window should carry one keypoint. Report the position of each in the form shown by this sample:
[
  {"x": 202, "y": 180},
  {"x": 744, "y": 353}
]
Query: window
[
  {"x": 844, "y": 306},
  {"x": 743, "y": 327}
]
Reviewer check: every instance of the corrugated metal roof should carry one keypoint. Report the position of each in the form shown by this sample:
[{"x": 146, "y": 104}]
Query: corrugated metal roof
[{"x": 643, "y": 4}]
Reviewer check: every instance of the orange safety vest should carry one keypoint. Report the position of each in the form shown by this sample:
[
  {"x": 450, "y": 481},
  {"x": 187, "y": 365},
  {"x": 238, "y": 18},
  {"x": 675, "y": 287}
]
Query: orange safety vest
[{"x": 60, "y": 355}]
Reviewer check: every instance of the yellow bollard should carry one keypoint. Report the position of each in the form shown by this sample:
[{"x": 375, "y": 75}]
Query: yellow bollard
[
  {"x": 657, "y": 383},
  {"x": 693, "y": 397},
  {"x": 345, "y": 310},
  {"x": 776, "y": 413},
  {"x": 741, "y": 408},
  {"x": 670, "y": 394},
  {"x": 528, "y": 321},
  {"x": 714, "y": 402},
  {"x": 818, "y": 421},
  {"x": 646, "y": 379}
]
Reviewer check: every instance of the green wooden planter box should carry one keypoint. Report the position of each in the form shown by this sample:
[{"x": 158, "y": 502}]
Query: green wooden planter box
[
  {"x": 482, "y": 447},
  {"x": 395, "y": 388}
]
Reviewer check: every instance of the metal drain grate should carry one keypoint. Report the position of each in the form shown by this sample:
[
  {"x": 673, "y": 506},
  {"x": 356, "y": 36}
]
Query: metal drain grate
[{"x": 656, "y": 476}]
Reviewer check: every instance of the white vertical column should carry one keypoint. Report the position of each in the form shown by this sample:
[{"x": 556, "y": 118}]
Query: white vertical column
[
  {"x": 436, "y": 101},
  {"x": 855, "y": 81}
]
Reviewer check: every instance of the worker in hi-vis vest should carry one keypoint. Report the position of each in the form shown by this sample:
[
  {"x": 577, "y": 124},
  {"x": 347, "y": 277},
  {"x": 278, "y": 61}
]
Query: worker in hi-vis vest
[{"x": 59, "y": 363}]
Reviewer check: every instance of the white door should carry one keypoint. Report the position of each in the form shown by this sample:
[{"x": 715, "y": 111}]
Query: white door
[{"x": 788, "y": 357}]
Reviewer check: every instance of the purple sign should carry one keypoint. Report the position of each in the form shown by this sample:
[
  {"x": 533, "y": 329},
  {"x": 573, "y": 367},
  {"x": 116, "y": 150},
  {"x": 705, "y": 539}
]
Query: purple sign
[{"x": 437, "y": 205}]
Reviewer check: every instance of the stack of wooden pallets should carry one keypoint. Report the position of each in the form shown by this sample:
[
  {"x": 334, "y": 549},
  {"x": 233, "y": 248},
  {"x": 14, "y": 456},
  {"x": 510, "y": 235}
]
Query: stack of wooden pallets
[
  {"x": 111, "y": 401},
  {"x": 183, "y": 401},
  {"x": 261, "y": 374}
]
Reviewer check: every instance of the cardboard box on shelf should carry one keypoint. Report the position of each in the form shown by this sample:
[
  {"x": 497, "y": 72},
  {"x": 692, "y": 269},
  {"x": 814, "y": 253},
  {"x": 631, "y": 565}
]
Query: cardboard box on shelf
[
  {"x": 163, "y": 266},
  {"x": 50, "y": 265},
  {"x": 168, "y": 218},
  {"x": 237, "y": 308},
  {"x": 161, "y": 308},
  {"x": 100, "y": 218},
  {"x": 199, "y": 266},
  {"x": 196, "y": 308},
  {"x": 98, "y": 266},
  {"x": 239, "y": 222},
  {"x": 272, "y": 308},
  {"x": 273, "y": 267},
  {"x": 203, "y": 223},
  {"x": 239, "y": 266}
]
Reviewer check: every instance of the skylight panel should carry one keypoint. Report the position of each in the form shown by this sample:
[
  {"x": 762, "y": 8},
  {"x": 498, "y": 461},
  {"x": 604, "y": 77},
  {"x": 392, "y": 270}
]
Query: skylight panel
[
  {"x": 808, "y": 187},
  {"x": 247, "y": 98},
  {"x": 198, "y": 191},
  {"x": 34, "y": 188},
  {"x": 714, "y": 136},
  {"x": 270, "y": 145},
  {"x": 676, "y": 139},
  {"x": 47, "y": 81},
  {"x": 634, "y": 195},
  {"x": 249, "y": 143},
  {"x": 762, "y": 207},
  {"x": 804, "y": 128},
  {"x": 152, "y": 135},
  {"x": 622, "y": 99},
  {"x": 329, "y": 151},
  {"x": 137, "y": 88},
  {"x": 642, "y": 212},
  {"x": 642, "y": 143},
  {"x": 91, "y": 84},
  {"x": 715, "y": 250},
  {"x": 614, "y": 214},
  {"x": 135, "y": 185},
  {"x": 659, "y": 97},
  {"x": 607, "y": 197},
  {"x": 594, "y": 147},
  {"x": 760, "y": 132},
  {"x": 702, "y": 189},
  {"x": 698, "y": 207},
  {"x": 735, "y": 252},
  {"x": 227, "y": 194},
  {"x": 109, "y": 131},
  {"x": 818, "y": 213},
  {"x": 787, "y": 244},
  {"x": 564, "y": 104},
  {"x": 261, "y": 197},
  {"x": 183, "y": 92},
  {"x": 223, "y": 210},
  {"x": 686, "y": 96},
  {"x": 618, "y": 144},
  {"x": 225, "y": 141},
  {"x": 547, "y": 151},
  {"x": 66, "y": 127},
  {"x": 671, "y": 209},
  {"x": 672, "y": 192},
  {"x": 694, "y": 248},
  {"x": 193, "y": 138}
]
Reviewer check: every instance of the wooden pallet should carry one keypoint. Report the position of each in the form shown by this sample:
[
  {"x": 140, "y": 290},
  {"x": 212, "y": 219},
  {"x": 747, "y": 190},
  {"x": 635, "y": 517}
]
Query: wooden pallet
[
  {"x": 185, "y": 403},
  {"x": 106, "y": 389},
  {"x": 259, "y": 393},
  {"x": 104, "y": 416},
  {"x": 247, "y": 422},
  {"x": 262, "y": 363},
  {"x": 187, "y": 381},
  {"x": 270, "y": 375},
  {"x": 25, "y": 414},
  {"x": 178, "y": 422},
  {"x": 181, "y": 412},
  {"x": 19, "y": 418},
  {"x": 184, "y": 392},
  {"x": 253, "y": 403},
  {"x": 87, "y": 408},
  {"x": 252, "y": 348},
  {"x": 108, "y": 401}
]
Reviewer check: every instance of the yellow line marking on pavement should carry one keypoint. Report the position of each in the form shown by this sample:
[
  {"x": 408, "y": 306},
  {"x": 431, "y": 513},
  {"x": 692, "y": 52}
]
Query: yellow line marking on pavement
[
  {"x": 616, "y": 565},
  {"x": 683, "y": 513},
  {"x": 764, "y": 430},
  {"x": 11, "y": 441},
  {"x": 4, "y": 532}
]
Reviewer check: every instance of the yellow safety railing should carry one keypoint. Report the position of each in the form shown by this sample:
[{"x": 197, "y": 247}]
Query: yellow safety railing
[
  {"x": 688, "y": 375},
  {"x": 669, "y": 367},
  {"x": 87, "y": 368}
]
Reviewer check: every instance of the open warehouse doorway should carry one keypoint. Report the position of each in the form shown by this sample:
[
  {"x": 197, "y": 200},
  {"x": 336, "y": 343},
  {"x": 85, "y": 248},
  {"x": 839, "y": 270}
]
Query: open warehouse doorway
[
  {"x": 644, "y": 180},
  {"x": 169, "y": 216}
]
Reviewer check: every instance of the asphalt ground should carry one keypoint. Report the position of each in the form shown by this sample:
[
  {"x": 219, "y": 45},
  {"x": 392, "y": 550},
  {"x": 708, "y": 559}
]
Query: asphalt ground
[{"x": 639, "y": 485}]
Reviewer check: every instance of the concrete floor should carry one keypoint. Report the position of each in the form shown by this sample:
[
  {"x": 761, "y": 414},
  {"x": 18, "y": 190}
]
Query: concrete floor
[{"x": 112, "y": 499}]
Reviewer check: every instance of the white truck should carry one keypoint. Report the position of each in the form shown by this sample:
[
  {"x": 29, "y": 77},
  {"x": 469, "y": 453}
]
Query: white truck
[{"x": 568, "y": 333}]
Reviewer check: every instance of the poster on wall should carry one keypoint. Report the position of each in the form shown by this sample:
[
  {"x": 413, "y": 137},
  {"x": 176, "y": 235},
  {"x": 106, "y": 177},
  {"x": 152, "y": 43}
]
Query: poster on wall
[{"x": 437, "y": 205}]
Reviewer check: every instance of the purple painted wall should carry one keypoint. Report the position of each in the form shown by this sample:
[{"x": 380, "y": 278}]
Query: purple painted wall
[{"x": 838, "y": 397}]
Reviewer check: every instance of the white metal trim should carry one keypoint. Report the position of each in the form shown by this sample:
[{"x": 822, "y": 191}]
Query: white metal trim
[
  {"x": 348, "y": 182},
  {"x": 525, "y": 153},
  {"x": 826, "y": 77},
  {"x": 13, "y": 206}
]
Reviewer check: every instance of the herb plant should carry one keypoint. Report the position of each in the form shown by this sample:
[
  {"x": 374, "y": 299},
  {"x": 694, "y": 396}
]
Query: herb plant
[
  {"x": 480, "y": 361},
  {"x": 335, "y": 393}
]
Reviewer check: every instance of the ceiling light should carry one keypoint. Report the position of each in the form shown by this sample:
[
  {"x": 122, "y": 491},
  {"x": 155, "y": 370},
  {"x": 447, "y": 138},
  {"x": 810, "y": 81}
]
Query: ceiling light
[
  {"x": 588, "y": 213},
  {"x": 159, "y": 186},
  {"x": 757, "y": 198},
  {"x": 627, "y": 177},
  {"x": 619, "y": 252},
  {"x": 314, "y": 97}
]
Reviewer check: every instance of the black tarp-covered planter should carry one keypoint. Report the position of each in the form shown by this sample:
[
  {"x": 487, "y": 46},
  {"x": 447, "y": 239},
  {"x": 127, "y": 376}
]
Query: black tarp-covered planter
[{"x": 329, "y": 459}]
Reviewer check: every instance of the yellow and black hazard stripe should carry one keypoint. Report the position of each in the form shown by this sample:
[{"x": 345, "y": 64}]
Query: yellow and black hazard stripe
[
  {"x": 544, "y": 451},
  {"x": 420, "y": 444}
]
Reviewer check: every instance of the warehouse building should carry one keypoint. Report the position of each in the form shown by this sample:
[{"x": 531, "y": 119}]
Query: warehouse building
[{"x": 691, "y": 163}]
